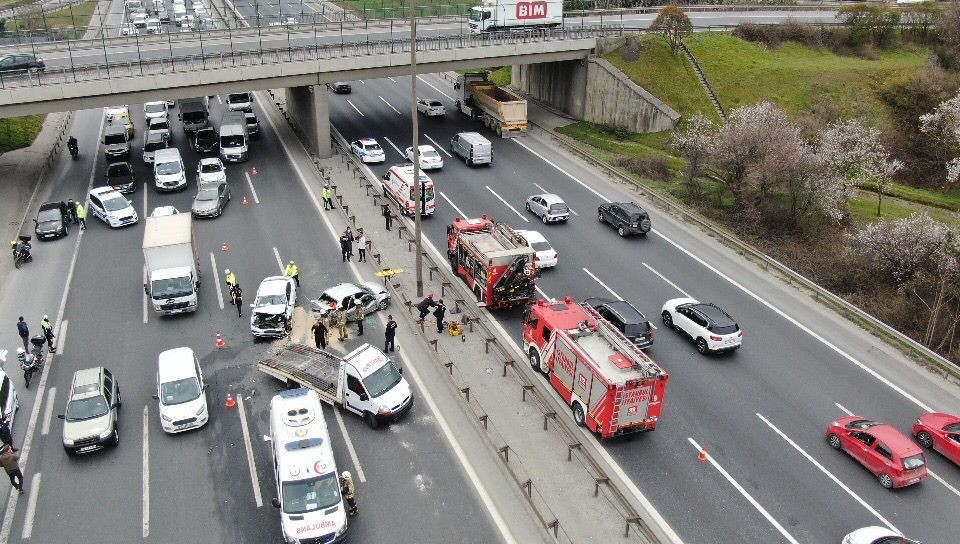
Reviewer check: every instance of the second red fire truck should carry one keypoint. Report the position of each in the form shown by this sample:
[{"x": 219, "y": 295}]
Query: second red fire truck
[{"x": 611, "y": 386}]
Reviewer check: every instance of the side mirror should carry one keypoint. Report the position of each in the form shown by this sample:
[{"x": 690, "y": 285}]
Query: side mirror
[
  {"x": 400, "y": 369},
  {"x": 364, "y": 396},
  {"x": 156, "y": 397},
  {"x": 35, "y": 221},
  {"x": 146, "y": 290},
  {"x": 251, "y": 305},
  {"x": 61, "y": 417},
  {"x": 275, "y": 502},
  {"x": 385, "y": 176}
]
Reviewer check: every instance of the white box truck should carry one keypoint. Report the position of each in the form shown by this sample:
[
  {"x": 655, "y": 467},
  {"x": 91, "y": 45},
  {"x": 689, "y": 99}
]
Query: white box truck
[
  {"x": 234, "y": 138},
  {"x": 495, "y": 15},
  {"x": 171, "y": 264}
]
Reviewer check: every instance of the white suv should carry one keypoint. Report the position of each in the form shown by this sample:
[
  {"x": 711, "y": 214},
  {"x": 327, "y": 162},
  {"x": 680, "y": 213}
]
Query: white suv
[
  {"x": 111, "y": 207},
  {"x": 712, "y": 329}
]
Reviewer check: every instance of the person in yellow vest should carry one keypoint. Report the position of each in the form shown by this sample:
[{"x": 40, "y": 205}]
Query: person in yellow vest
[
  {"x": 327, "y": 197},
  {"x": 81, "y": 216},
  {"x": 293, "y": 272},
  {"x": 231, "y": 280}
]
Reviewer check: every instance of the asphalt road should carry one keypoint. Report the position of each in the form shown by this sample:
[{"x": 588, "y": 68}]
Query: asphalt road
[
  {"x": 754, "y": 410},
  {"x": 199, "y": 484}
]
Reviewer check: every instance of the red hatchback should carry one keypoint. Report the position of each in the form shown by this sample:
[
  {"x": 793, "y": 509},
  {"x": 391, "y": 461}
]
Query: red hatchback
[
  {"x": 892, "y": 457},
  {"x": 941, "y": 432}
]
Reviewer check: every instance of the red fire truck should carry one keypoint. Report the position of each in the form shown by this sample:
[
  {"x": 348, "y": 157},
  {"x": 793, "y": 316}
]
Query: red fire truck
[
  {"x": 612, "y": 387},
  {"x": 493, "y": 260}
]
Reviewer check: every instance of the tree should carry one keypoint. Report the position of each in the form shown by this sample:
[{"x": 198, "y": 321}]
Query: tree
[
  {"x": 674, "y": 24},
  {"x": 944, "y": 125},
  {"x": 948, "y": 29},
  {"x": 851, "y": 153},
  {"x": 869, "y": 23},
  {"x": 695, "y": 142},
  {"x": 922, "y": 18}
]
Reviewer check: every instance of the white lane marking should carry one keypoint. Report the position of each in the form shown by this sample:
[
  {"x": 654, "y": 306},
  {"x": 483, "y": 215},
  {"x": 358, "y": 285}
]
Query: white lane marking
[
  {"x": 664, "y": 278},
  {"x": 389, "y": 104},
  {"x": 574, "y": 212},
  {"x": 276, "y": 255},
  {"x": 604, "y": 285},
  {"x": 745, "y": 493},
  {"x": 48, "y": 412},
  {"x": 799, "y": 325},
  {"x": 216, "y": 279},
  {"x": 34, "y": 492},
  {"x": 542, "y": 294},
  {"x": 218, "y": 96},
  {"x": 146, "y": 472},
  {"x": 146, "y": 315},
  {"x": 393, "y": 145},
  {"x": 438, "y": 146},
  {"x": 391, "y": 79},
  {"x": 251, "y": 462},
  {"x": 828, "y": 473},
  {"x": 146, "y": 210},
  {"x": 13, "y": 497},
  {"x": 361, "y": 81},
  {"x": 562, "y": 171},
  {"x": 3, "y": 355},
  {"x": 350, "y": 448},
  {"x": 450, "y": 98},
  {"x": 253, "y": 191},
  {"x": 507, "y": 204},
  {"x": 844, "y": 410},
  {"x": 354, "y": 106},
  {"x": 454, "y": 206},
  {"x": 62, "y": 336},
  {"x": 448, "y": 433}
]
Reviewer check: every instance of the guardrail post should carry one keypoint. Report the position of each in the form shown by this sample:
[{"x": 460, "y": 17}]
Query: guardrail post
[
  {"x": 505, "y": 450},
  {"x": 596, "y": 487},
  {"x": 526, "y": 387},
  {"x": 486, "y": 345},
  {"x": 570, "y": 448}
]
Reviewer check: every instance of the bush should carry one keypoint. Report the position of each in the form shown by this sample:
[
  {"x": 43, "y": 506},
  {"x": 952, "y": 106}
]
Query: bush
[
  {"x": 620, "y": 132},
  {"x": 653, "y": 167}
]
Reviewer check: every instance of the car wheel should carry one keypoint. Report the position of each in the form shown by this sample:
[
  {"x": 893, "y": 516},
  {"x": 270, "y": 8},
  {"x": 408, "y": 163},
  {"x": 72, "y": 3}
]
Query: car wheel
[
  {"x": 925, "y": 440},
  {"x": 667, "y": 319},
  {"x": 371, "y": 420},
  {"x": 621, "y": 231},
  {"x": 70, "y": 451},
  {"x": 885, "y": 480},
  {"x": 544, "y": 218},
  {"x": 834, "y": 441},
  {"x": 600, "y": 217},
  {"x": 702, "y": 346},
  {"x": 534, "y": 359},
  {"x": 528, "y": 206},
  {"x": 382, "y": 305},
  {"x": 116, "y": 437},
  {"x": 578, "y": 415}
]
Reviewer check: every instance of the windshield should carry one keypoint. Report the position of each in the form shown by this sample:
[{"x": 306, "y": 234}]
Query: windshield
[
  {"x": 180, "y": 391},
  {"x": 155, "y": 144},
  {"x": 172, "y": 288},
  {"x": 205, "y": 136},
  {"x": 117, "y": 170},
  {"x": 478, "y": 15},
  {"x": 559, "y": 208},
  {"x": 48, "y": 215},
  {"x": 373, "y": 148},
  {"x": 382, "y": 380},
  {"x": 168, "y": 168},
  {"x": 113, "y": 139},
  {"x": 207, "y": 194},
  {"x": 208, "y": 168},
  {"x": 79, "y": 410},
  {"x": 269, "y": 300},
  {"x": 231, "y": 141},
  {"x": 159, "y": 107},
  {"x": 428, "y": 193},
  {"x": 241, "y": 97},
  {"x": 310, "y": 495},
  {"x": 725, "y": 329},
  {"x": 912, "y": 462},
  {"x": 115, "y": 204},
  {"x": 159, "y": 125},
  {"x": 636, "y": 329},
  {"x": 541, "y": 246}
]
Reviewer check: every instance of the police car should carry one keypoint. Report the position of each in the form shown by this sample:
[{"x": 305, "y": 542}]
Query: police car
[
  {"x": 368, "y": 150},
  {"x": 308, "y": 484},
  {"x": 111, "y": 207}
]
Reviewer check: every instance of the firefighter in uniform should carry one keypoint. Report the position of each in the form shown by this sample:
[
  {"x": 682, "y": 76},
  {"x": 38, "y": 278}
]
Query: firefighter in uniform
[
  {"x": 342, "y": 323},
  {"x": 349, "y": 492},
  {"x": 358, "y": 315}
]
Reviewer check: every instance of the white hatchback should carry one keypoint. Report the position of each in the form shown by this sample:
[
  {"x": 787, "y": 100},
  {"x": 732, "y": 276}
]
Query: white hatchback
[
  {"x": 211, "y": 170},
  {"x": 273, "y": 307},
  {"x": 429, "y": 158},
  {"x": 181, "y": 391},
  {"x": 546, "y": 256}
]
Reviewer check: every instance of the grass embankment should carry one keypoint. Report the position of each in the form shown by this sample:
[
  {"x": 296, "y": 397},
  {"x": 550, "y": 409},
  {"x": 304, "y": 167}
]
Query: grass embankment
[
  {"x": 71, "y": 18},
  {"x": 400, "y": 9},
  {"x": 17, "y": 132}
]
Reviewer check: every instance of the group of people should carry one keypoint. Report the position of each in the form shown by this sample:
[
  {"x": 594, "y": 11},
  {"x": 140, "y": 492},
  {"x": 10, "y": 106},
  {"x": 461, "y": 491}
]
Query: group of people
[
  {"x": 439, "y": 311},
  {"x": 74, "y": 212},
  {"x": 236, "y": 292},
  {"x": 45, "y": 325},
  {"x": 348, "y": 240},
  {"x": 339, "y": 319}
]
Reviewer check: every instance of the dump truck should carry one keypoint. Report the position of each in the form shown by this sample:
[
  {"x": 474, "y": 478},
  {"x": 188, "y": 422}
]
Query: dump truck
[
  {"x": 612, "y": 387},
  {"x": 171, "y": 264},
  {"x": 500, "y": 110}
]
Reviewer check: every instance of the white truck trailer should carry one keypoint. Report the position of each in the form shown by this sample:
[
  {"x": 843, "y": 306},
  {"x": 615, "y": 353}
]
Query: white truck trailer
[
  {"x": 499, "y": 15},
  {"x": 171, "y": 264}
]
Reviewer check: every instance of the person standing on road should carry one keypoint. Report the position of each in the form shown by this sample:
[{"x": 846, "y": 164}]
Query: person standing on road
[
  {"x": 72, "y": 211},
  {"x": 5, "y": 435},
  {"x": 359, "y": 315},
  {"x": 362, "y": 245},
  {"x": 387, "y": 218},
  {"x": 344, "y": 247},
  {"x": 24, "y": 331},
  {"x": 47, "y": 327},
  {"x": 8, "y": 460},
  {"x": 327, "y": 197},
  {"x": 231, "y": 280},
  {"x": 350, "y": 238},
  {"x": 439, "y": 313},
  {"x": 320, "y": 334},
  {"x": 342, "y": 323},
  {"x": 81, "y": 216},
  {"x": 425, "y": 305},
  {"x": 349, "y": 492},
  {"x": 390, "y": 334},
  {"x": 293, "y": 272},
  {"x": 238, "y": 299}
]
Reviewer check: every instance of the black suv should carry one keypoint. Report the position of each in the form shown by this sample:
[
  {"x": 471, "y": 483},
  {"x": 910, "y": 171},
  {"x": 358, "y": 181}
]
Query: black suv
[
  {"x": 206, "y": 140},
  {"x": 626, "y": 217},
  {"x": 120, "y": 176},
  {"x": 51, "y": 221},
  {"x": 626, "y": 318}
]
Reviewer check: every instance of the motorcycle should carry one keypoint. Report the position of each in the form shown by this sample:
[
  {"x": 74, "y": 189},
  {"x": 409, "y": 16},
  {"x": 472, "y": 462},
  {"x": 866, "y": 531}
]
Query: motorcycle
[
  {"x": 74, "y": 149},
  {"x": 21, "y": 252},
  {"x": 32, "y": 362}
]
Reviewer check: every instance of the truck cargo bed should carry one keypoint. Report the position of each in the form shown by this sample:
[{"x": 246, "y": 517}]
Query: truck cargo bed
[{"x": 307, "y": 366}]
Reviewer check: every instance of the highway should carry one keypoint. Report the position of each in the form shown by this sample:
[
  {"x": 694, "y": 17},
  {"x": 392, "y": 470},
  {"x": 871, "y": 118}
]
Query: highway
[{"x": 760, "y": 412}]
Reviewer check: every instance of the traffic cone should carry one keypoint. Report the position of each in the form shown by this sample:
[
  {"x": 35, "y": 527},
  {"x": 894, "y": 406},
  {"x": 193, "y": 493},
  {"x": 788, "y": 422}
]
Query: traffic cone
[
  {"x": 225, "y": 247},
  {"x": 253, "y": 171},
  {"x": 245, "y": 201},
  {"x": 230, "y": 402},
  {"x": 703, "y": 455},
  {"x": 220, "y": 342}
]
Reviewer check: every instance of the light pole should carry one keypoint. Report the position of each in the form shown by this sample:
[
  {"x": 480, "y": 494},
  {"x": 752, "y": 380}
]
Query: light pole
[{"x": 417, "y": 187}]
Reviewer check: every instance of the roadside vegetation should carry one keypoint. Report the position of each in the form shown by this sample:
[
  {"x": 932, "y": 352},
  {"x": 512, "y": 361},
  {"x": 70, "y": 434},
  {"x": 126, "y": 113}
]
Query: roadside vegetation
[
  {"x": 400, "y": 9},
  {"x": 17, "y": 132},
  {"x": 840, "y": 153}
]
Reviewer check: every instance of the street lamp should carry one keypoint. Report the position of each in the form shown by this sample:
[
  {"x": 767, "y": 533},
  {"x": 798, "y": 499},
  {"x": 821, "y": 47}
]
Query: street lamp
[{"x": 417, "y": 187}]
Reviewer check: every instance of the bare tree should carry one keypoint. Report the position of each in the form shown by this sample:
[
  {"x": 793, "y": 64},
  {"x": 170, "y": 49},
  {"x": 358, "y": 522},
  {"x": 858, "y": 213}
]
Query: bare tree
[{"x": 674, "y": 24}]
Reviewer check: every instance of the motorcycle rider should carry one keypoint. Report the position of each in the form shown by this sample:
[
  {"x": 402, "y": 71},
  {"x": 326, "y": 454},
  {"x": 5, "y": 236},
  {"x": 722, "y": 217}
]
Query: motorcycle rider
[
  {"x": 73, "y": 146},
  {"x": 21, "y": 250}
]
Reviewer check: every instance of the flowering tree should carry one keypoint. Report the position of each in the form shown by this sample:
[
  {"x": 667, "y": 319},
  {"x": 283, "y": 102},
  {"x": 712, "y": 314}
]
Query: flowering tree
[
  {"x": 944, "y": 124},
  {"x": 695, "y": 142}
]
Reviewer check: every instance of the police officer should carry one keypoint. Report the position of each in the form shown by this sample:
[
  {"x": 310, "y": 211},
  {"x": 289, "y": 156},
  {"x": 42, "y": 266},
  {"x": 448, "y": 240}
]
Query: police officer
[
  {"x": 344, "y": 248},
  {"x": 439, "y": 312},
  {"x": 72, "y": 211},
  {"x": 81, "y": 215},
  {"x": 293, "y": 272},
  {"x": 238, "y": 299},
  {"x": 359, "y": 315},
  {"x": 231, "y": 280},
  {"x": 47, "y": 327},
  {"x": 349, "y": 492},
  {"x": 390, "y": 334},
  {"x": 342, "y": 323},
  {"x": 327, "y": 197},
  {"x": 387, "y": 218}
]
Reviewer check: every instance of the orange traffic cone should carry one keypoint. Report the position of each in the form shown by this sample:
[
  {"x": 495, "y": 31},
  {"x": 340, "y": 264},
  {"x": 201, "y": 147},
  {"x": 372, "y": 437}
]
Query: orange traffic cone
[
  {"x": 246, "y": 202},
  {"x": 703, "y": 455},
  {"x": 230, "y": 402},
  {"x": 220, "y": 342},
  {"x": 253, "y": 171},
  {"x": 225, "y": 247}
]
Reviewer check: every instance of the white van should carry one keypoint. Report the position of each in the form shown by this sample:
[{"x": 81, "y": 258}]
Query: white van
[
  {"x": 239, "y": 101},
  {"x": 398, "y": 183},
  {"x": 168, "y": 171},
  {"x": 308, "y": 483},
  {"x": 9, "y": 403},
  {"x": 181, "y": 392}
]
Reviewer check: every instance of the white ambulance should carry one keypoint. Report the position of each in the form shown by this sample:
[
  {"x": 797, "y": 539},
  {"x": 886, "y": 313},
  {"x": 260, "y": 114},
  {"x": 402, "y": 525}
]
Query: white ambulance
[
  {"x": 308, "y": 483},
  {"x": 398, "y": 184}
]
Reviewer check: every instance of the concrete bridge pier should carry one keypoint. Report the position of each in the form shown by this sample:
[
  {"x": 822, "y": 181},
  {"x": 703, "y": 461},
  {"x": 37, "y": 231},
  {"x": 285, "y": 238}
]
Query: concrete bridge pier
[{"x": 309, "y": 111}]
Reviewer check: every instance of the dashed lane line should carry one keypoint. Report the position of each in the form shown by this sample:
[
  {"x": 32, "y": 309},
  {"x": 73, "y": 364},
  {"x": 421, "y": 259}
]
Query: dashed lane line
[
  {"x": 62, "y": 336},
  {"x": 604, "y": 285},
  {"x": 452, "y": 205},
  {"x": 33, "y": 491},
  {"x": 350, "y": 449},
  {"x": 253, "y": 190},
  {"x": 450, "y": 98},
  {"x": 438, "y": 146},
  {"x": 146, "y": 471},
  {"x": 393, "y": 145},
  {"x": 216, "y": 279},
  {"x": 664, "y": 278},
  {"x": 251, "y": 462},
  {"x": 507, "y": 204},
  {"x": 276, "y": 255},
  {"x": 48, "y": 412},
  {"x": 354, "y": 106},
  {"x": 389, "y": 104}
]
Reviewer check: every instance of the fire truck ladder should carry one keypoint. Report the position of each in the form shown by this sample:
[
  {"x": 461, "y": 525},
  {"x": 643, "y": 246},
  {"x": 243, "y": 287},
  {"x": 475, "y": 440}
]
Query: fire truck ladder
[
  {"x": 514, "y": 280},
  {"x": 639, "y": 359}
]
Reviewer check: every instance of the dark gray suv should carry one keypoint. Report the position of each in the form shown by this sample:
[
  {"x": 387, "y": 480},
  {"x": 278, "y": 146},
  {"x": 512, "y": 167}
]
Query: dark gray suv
[
  {"x": 627, "y": 217},
  {"x": 626, "y": 318}
]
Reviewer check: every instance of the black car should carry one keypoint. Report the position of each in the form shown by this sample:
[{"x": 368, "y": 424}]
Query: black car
[
  {"x": 626, "y": 217},
  {"x": 253, "y": 125},
  {"x": 51, "y": 221},
  {"x": 206, "y": 140},
  {"x": 626, "y": 318},
  {"x": 20, "y": 62},
  {"x": 340, "y": 87},
  {"x": 120, "y": 176}
]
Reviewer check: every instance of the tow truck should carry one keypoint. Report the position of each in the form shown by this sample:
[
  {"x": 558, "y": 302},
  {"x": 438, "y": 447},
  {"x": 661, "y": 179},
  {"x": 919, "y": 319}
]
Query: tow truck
[
  {"x": 493, "y": 260},
  {"x": 612, "y": 387}
]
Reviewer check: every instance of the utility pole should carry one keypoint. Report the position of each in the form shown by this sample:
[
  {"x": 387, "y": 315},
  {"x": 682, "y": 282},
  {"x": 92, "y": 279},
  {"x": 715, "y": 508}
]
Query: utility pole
[{"x": 417, "y": 187}]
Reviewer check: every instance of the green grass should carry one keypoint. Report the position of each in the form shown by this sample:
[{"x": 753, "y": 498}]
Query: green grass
[
  {"x": 949, "y": 200},
  {"x": 863, "y": 207},
  {"x": 17, "y": 132},
  {"x": 501, "y": 76},
  {"x": 400, "y": 9},
  {"x": 77, "y": 17}
]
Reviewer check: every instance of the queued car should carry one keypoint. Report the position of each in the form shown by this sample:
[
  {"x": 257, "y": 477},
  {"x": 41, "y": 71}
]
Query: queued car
[
  {"x": 160, "y": 124},
  {"x": 181, "y": 392},
  {"x": 116, "y": 141},
  {"x": 125, "y": 122},
  {"x": 371, "y": 295},
  {"x": 368, "y": 150},
  {"x": 711, "y": 328},
  {"x": 161, "y": 211},
  {"x": 429, "y": 158},
  {"x": 340, "y": 87},
  {"x": 883, "y": 450},
  {"x": 431, "y": 107},
  {"x": 627, "y": 217},
  {"x": 120, "y": 176},
  {"x": 545, "y": 256},
  {"x": 253, "y": 124},
  {"x": 211, "y": 170},
  {"x": 111, "y": 207},
  {"x": 93, "y": 411},
  {"x": 153, "y": 141},
  {"x": 211, "y": 198},
  {"x": 626, "y": 318},
  {"x": 22, "y": 63},
  {"x": 50, "y": 221},
  {"x": 152, "y": 110},
  {"x": 940, "y": 432},
  {"x": 549, "y": 207},
  {"x": 273, "y": 307},
  {"x": 876, "y": 535},
  {"x": 206, "y": 140}
]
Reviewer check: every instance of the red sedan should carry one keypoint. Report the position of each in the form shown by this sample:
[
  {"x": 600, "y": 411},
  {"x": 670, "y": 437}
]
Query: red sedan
[
  {"x": 892, "y": 457},
  {"x": 941, "y": 432}
]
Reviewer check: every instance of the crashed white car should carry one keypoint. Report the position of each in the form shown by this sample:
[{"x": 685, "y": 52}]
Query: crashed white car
[{"x": 370, "y": 295}]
